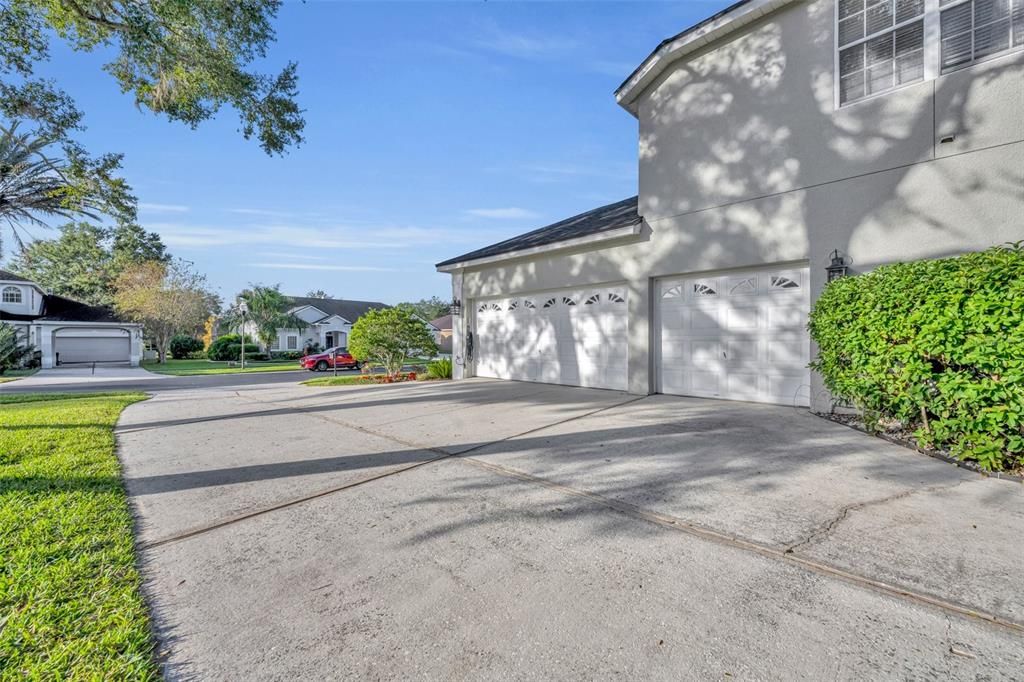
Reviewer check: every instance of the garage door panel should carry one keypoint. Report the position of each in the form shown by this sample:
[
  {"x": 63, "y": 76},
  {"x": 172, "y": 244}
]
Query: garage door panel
[
  {"x": 738, "y": 336},
  {"x": 94, "y": 348},
  {"x": 574, "y": 337}
]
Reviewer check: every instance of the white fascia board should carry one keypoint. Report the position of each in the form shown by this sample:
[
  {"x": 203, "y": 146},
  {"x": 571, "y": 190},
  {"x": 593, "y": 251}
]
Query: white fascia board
[
  {"x": 78, "y": 323},
  {"x": 332, "y": 317},
  {"x": 660, "y": 59},
  {"x": 629, "y": 231},
  {"x": 304, "y": 307}
]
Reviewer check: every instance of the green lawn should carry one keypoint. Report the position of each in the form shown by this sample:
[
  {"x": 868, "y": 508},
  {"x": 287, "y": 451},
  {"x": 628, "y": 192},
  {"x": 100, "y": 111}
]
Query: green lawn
[
  {"x": 194, "y": 367},
  {"x": 70, "y": 604},
  {"x": 15, "y": 374}
]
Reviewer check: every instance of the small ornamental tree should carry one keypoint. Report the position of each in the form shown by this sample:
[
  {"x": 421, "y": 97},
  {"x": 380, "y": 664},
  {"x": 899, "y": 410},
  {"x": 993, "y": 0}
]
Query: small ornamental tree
[
  {"x": 167, "y": 298},
  {"x": 389, "y": 337}
]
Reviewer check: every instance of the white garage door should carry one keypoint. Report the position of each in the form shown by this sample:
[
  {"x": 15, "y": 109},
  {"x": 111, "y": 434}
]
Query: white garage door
[
  {"x": 92, "y": 349},
  {"x": 738, "y": 336},
  {"x": 576, "y": 338}
]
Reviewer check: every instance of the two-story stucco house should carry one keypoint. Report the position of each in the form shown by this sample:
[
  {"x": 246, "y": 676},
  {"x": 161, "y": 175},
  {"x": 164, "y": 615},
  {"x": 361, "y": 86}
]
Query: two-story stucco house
[
  {"x": 65, "y": 331},
  {"x": 329, "y": 322},
  {"x": 770, "y": 136}
]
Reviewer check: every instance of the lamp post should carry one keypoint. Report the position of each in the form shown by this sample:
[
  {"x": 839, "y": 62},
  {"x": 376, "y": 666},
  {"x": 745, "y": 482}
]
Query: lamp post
[{"x": 243, "y": 308}]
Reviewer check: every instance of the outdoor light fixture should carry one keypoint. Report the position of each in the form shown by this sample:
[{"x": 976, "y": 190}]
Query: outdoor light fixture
[
  {"x": 456, "y": 307},
  {"x": 837, "y": 268}
]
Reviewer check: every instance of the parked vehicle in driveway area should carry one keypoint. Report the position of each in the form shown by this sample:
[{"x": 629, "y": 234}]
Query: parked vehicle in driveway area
[{"x": 320, "y": 362}]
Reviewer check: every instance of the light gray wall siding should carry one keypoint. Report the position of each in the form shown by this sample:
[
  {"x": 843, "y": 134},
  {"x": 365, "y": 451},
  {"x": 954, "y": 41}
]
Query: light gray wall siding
[{"x": 744, "y": 160}]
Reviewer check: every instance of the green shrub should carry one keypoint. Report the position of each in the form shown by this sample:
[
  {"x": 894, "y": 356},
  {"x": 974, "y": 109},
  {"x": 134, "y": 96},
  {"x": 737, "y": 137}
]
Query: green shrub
[
  {"x": 937, "y": 345},
  {"x": 440, "y": 369},
  {"x": 221, "y": 350},
  {"x": 15, "y": 350},
  {"x": 183, "y": 345},
  {"x": 287, "y": 355}
]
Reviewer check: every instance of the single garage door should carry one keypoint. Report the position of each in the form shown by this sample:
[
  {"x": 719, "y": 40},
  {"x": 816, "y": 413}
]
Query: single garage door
[
  {"x": 72, "y": 349},
  {"x": 737, "y": 336},
  {"x": 576, "y": 338}
]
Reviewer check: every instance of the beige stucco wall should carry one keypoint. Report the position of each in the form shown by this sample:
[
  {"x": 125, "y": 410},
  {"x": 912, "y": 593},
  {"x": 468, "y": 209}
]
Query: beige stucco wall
[{"x": 744, "y": 159}]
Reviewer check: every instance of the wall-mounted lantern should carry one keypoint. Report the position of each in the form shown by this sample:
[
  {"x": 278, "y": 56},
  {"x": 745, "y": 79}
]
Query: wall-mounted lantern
[
  {"x": 837, "y": 268},
  {"x": 456, "y": 307}
]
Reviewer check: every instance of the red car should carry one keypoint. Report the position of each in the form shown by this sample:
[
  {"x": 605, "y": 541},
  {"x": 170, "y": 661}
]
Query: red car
[{"x": 320, "y": 362}]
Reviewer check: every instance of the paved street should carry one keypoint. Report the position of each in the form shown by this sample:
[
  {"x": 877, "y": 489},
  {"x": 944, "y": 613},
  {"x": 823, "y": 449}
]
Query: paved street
[{"x": 298, "y": 532}]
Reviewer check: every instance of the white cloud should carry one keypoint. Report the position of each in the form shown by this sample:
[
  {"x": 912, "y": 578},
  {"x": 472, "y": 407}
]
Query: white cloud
[
  {"x": 524, "y": 46},
  {"x": 163, "y": 208},
  {"x": 320, "y": 266},
  {"x": 502, "y": 213},
  {"x": 340, "y": 237}
]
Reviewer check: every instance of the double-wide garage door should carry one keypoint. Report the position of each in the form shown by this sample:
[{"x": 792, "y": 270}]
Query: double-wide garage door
[
  {"x": 74, "y": 349},
  {"x": 572, "y": 337},
  {"x": 737, "y": 336}
]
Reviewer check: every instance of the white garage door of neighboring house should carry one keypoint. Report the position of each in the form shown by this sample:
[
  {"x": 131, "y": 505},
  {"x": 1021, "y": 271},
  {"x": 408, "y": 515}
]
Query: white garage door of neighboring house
[
  {"x": 736, "y": 335},
  {"x": 576, "y": 338},
  {"x": 93, "y": 348}
]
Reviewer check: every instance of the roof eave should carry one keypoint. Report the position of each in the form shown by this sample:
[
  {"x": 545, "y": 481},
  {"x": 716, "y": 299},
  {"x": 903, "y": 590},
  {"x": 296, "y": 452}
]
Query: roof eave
[
  {"x": 628, "y": 94},
  {"x": 607, "y": 235}
]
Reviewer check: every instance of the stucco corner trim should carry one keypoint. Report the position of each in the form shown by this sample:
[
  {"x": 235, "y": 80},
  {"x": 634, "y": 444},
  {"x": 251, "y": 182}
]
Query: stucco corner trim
[
  {"x": 600, "y": 237},
  {"x": 690, "y": 40}
]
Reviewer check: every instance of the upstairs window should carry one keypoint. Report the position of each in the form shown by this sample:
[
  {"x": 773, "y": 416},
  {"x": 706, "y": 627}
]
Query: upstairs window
[
  {"x": 973, "y": 30},
  {"x": 11, "y": 295},
  {"x": 881, "y": 46}
]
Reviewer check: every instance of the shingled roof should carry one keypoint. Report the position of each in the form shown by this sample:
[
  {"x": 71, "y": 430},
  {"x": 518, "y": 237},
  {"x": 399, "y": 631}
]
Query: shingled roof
[
  {"x": 58, "y": 308},
  {"x": 8, "y": 276},
  {"x": 611, "y": 217},
  {"x": 349, "y": 310}
]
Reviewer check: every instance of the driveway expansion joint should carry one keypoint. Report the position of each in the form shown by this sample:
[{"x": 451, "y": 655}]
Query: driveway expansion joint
[
  {"x": 440, "y": 452},
  {"x": 781, "y": 554}
]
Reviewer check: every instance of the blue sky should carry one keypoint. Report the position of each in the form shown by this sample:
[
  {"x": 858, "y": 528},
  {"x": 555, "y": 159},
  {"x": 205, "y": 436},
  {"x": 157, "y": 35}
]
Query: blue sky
[{"x": 432, "y": 129}]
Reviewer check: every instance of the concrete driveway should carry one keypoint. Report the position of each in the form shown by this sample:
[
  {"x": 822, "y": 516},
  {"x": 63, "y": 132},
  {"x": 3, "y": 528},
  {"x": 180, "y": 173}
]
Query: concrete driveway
[{"x": 293, "y": 532}]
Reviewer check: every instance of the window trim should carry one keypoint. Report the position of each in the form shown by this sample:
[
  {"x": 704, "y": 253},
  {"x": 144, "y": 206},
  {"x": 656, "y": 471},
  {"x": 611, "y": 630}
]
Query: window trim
[
  {"x": 17, "y": 290},
  {"x": 974, "y": 60},
  {"x": 932, "y": 20},
  {"x": 929, "y": 6}
]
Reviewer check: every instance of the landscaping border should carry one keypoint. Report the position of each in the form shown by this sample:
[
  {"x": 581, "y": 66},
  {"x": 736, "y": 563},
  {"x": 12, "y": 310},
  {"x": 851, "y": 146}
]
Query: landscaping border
[{"x": 910, "y": 445}]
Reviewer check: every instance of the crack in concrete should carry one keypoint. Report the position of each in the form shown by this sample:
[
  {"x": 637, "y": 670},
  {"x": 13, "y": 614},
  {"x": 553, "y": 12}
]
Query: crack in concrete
[{"x": 829, "y": 526}]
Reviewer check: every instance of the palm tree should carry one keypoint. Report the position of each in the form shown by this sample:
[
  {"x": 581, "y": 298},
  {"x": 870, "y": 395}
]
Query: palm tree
[
  {"x": 33, "y": 186},
  {"x": 267, "y": 313}
]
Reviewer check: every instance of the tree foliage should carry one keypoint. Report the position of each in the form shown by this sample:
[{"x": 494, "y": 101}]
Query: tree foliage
[
  {"x": 389, "y": 337},
  {"x": 36, "y": 185},
  {"x": 318, "y": 293},
  {"x": 86, "y": 259},
  {"x": 14, "y": 347},
  {"x": 429, "y": 308},
  {"x": 937, "y": 345},
  {"x": 167, "y": 298},
  {"x": 185, "y": 60},
  {"x": 268, "y": 312}
]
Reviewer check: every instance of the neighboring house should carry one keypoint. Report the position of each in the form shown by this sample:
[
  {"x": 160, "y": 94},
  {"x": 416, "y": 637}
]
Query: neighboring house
[
  {"x": 442, "y": 330},
  {"x": 67, "y": 332},
  {"x": 329, "y": 321},
  {"x": 770, "y": 135}
]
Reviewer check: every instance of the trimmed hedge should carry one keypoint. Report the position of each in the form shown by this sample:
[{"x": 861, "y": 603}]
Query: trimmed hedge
[
  {"x": 228, "y": 347},
  {"x": 183, "y": 345},
  {"x": 937, "y": 345}
]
